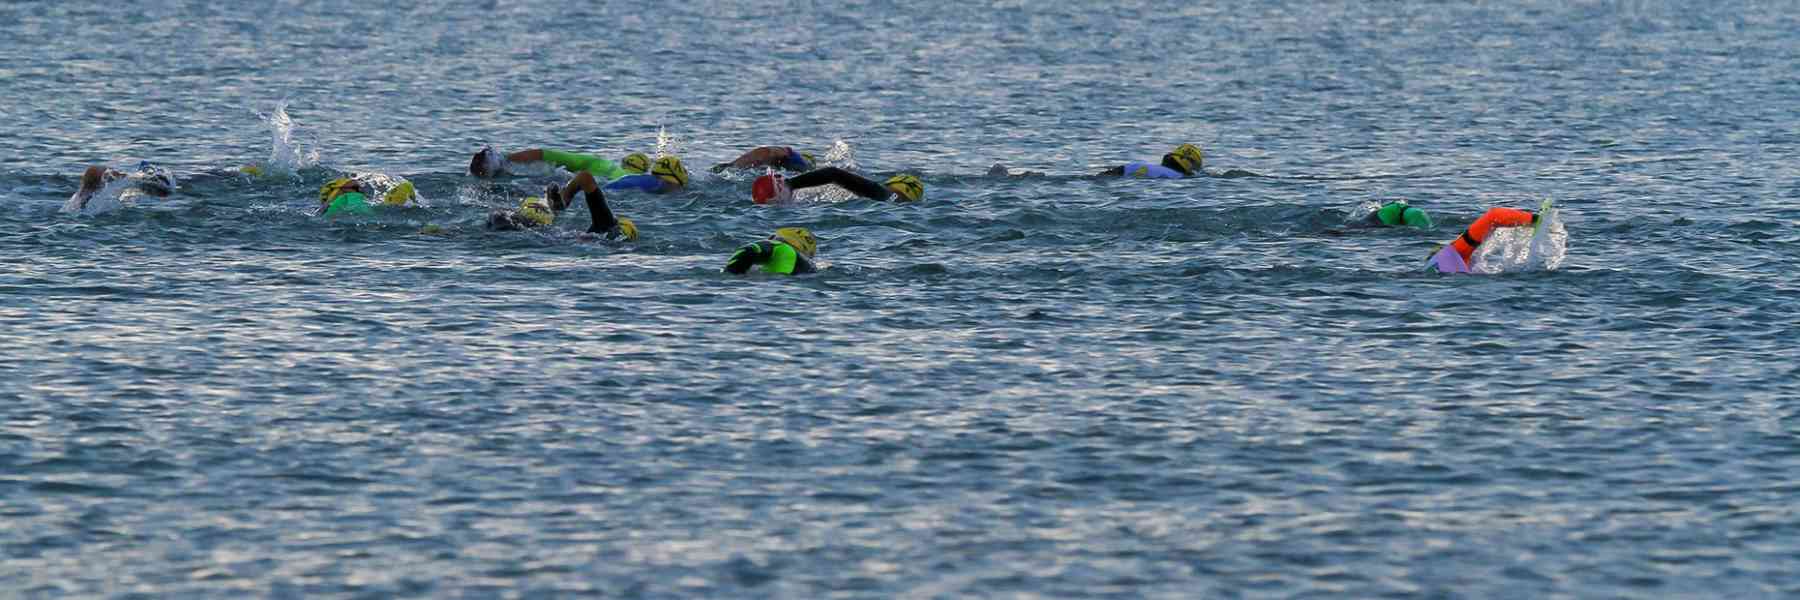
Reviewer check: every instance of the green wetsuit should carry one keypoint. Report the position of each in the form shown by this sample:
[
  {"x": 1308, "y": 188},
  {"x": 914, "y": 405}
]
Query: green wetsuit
[
  {"x": 353, "y": 203},
  {"x": 775, "y": 257},
  {"x": 602, "y": 169}
]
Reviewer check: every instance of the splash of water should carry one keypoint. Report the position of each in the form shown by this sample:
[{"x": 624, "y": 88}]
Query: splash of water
[
  {"x": 666, "y": 144},
  {"x": 840, "y": 155},
  {"x": 1515, "y": 249},
  {"x": 286, "y": 156}
]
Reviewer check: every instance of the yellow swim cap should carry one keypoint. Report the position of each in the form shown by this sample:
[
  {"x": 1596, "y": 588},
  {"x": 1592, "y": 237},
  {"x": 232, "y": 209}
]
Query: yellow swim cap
[
  {"x": 668, "y": 168},
  {"x": 1189, "y": 156},
  {"x": 251, "y": 170},
  {"x": 907, "y": 186},
  {"x": 399, "y": 195},
  {"x": 636, "y": 162},
  {"x": 628, "y": 229},
  {"x": 798, "y": 237},
  {"x": 537, "y": 211},
  {"x": 333, "y": 188}
]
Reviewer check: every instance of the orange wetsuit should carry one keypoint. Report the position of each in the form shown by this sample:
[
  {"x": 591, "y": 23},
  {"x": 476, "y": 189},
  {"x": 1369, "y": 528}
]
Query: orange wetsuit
[{"x": 1495, "y": 217}]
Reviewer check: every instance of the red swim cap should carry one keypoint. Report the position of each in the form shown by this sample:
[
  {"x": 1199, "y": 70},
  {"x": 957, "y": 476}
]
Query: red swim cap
[{"x": 770, "y": 188}]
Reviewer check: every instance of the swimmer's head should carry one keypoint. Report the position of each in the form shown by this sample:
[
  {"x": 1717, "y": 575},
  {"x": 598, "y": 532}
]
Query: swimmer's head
[
  {"x": 335, "y": 187},
  {"x": 536, "y": 212},
  {"x": 485, "y": 163},
  {"x": 907, "y": 187},
  {"x": 1186, "y": 158},
  {"x": 637, "y": 163},
  {"x": 627, "y": 229},
  {"x": 771, "y": 188},
  {"x": 798, "y": 237},
  {"x": 669, "y": 169},
  {"x": 153, "y": 179},
  {"x": 399, "y": 195},
  {"x": 1398, "y": 213}
]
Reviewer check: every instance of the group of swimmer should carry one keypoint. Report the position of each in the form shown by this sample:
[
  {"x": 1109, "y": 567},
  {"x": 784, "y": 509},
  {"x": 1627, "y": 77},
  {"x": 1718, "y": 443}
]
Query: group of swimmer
[{"x": 789, "y": 250}]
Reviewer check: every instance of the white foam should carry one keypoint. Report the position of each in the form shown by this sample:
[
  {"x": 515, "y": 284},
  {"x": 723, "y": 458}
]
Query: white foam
[{"x": 1515, "y": 249}]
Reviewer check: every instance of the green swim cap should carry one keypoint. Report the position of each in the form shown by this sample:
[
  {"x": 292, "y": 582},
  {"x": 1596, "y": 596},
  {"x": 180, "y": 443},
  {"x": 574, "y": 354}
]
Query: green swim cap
[
  {"x": 353, "y": 203},
  {"x": 1416, "y": 218},
  {"x": 1395, "y": 214}
]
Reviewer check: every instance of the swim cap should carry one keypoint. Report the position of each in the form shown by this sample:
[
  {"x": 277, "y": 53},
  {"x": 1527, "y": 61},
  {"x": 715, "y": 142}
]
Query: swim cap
[
  {"x": 1398, "y": 213},
  {"x": 399, "y": 195},
  {"x": 798, "y": 237},
  {"x": 628, "y": 229},
  {"x": 251, "y": 170},
  {"x": 154, "y": 179},
  {"x": 669, "y": 169},
  {"x": 1416, "y": 217},
  {"x": 907, "y": 186},
  {"x": 1389, "y": 214},
  {"x": 487, "y": 163},
  {"x": 1190, "y": 157},
  {"x": 636, "y": 162},
  {"x": 536, "y": 211},
  {"x": 771, "y": 188},
  {"x": 333, "y": 188}
]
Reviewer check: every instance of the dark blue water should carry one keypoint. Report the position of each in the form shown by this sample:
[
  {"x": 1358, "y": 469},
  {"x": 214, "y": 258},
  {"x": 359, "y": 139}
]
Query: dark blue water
[{"x": 1041, "y": 387}]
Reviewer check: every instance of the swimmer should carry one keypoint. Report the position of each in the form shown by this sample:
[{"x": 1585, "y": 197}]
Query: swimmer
[
  {"x": 346, "y": 196},
  {"x": 789, "y": 251},
  {"x": 666, "y": 175},
  {"x": 1455, "y": 256},
  {"x": 1185, "y": 161},
  {"x": 780, "y": 157},
  {"x": 1399, "y": 214},
  {"x": 146, "y": 178},
  {"x": 490, "y": 163},
  {"x": 899, "y": 188},
  {"x": 540, "y": 211}
]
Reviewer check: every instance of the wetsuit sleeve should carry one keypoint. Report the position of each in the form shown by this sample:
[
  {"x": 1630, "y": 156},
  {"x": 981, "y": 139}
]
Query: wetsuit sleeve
[
  {"x": 749, "y": 256},
  {"x": 1118, "y": 171},
  {"x": 647, "y": 183},
  {"x": 857, "y": 184},
  {"x": 604, "y": 169},
  {"x": 1509, "y": 217},
  {"x": 604, "y": 221}
]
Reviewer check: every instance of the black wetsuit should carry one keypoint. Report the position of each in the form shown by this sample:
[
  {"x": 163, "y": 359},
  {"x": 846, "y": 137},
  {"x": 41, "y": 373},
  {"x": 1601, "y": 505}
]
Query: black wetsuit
[
  {"x": 604, "y": 221},
  {"x": 857, "y": 184}
]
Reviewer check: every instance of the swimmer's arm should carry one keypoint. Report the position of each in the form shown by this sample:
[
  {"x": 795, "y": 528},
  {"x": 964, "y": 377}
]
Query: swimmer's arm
[
  {"x": 647, "y": 183},
  {"x": 857, "y": 184},
  {"x": 761, "y": 156},
  {"x": 749, "y": 256},
  {"x": 604, "y": 221},
  {"x": 1512, "y": 217},
  {"x": 526, "y": 156},
  {"x": 1118, "y": 171}
]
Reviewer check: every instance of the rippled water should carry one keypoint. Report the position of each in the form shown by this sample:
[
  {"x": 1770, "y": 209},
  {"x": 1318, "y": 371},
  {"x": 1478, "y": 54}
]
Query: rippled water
[{"x": 1023, "y": 387}]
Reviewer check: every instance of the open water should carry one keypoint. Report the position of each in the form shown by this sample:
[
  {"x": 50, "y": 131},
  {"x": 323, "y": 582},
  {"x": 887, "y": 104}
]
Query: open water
[{"x": 1022, "y": 387}]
